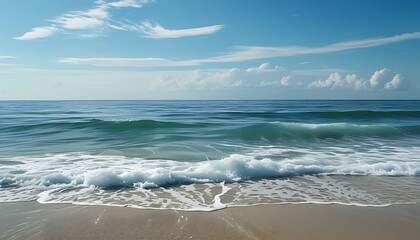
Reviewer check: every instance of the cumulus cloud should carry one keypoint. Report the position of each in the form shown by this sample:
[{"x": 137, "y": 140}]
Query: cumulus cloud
[
  {"x": 395, "y": 83},
  {"x": 284, "y": 81},
  {"x": 377, "y": 77},
  {"x": 210, "y": 79},
  {"x": 355, "y": 82},
  {"x": 352, "y": 81},
  {"x": 265, "y": 67},
  {"x": 335, "y": 80}
]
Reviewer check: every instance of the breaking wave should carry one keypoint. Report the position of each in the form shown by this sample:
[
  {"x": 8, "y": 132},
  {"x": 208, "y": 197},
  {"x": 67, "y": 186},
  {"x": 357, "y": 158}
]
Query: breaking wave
[{"x": 118, "y": 171}]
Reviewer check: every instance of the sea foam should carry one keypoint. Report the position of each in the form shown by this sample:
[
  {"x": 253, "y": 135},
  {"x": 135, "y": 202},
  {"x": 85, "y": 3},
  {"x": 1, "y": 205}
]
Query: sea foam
[
  {"x": 55, "y": 176},
  {"x": 119, "y": 171}
]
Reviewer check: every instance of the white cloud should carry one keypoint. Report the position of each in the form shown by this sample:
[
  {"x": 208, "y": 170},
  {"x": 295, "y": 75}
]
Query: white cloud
[
  {"x": 318, "y": 72},
  {"x": 129, "y": 3},
  {"x": 96, "y": 19},
  {"x": 333, "y": 81},
  {"x": 284, "y": 81},
  {"x": 2, "y": 64},
  {"x": 355, "y": 82},
  {"x": 39, "y": 32},
  {"x": 264, "y": 75},
  {"x": 75, "y": 20},
  {"x": 218, "y": 83},
  {"x": 154, "y": 30},
  {"x": 101, "y": 11},
  {"x": 79, "y": 22},
  {"x": 352, "y": 81},
  {"x": 210, "y": 79},
  {"x": 265, "y": 67},
  {"x": 377, "y": 77},
  {"x": 7, "y": 65},
  {"x": 126, "y": 62},
  {"x": 395, "y": 83},
  {"x": 252, "y": 53}
]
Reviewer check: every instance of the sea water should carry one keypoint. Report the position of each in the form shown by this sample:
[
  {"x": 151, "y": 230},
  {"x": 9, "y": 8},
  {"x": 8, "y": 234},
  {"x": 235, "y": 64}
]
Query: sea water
[{"x": 207, "y": 155}]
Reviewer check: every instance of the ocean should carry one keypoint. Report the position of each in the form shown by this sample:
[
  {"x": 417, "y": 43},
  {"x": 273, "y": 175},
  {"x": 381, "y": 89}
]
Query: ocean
[{"x": 208, "y": 155}]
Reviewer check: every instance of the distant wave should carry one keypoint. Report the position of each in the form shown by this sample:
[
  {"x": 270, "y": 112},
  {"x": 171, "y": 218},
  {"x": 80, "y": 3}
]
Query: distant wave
[
  {"x": 293, "y": 130},
  {"x": 366, "y": 114},
  {"x": 106, "y": 125},
  {"x": 277, "y": 130},
  {"x": 354, "y": 115}
]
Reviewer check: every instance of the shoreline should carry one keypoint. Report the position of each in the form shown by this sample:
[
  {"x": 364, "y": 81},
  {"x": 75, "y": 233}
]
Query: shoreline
[
  {"x": 32, "y": 220},
  {"x": 204, "y": 210}
]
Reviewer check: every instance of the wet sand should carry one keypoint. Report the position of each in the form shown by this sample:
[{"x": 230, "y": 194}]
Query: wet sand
[{"x": 31, "y": 220}]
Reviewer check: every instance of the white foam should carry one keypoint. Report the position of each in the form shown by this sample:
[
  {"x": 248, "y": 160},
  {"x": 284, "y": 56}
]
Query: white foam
[
  {"x": 66, "y": 177},
  {"x": 319, "y": 125},
  {"x": 103, "y": 179},
  {"x": 217, "y": 204},
  {"x": 56, "y": 178},
  {"x": 119, "y": 171}
]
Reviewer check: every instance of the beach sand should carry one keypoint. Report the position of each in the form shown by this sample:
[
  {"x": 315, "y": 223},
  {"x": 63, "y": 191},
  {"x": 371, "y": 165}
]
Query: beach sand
[{"x": 31, "y": 220}]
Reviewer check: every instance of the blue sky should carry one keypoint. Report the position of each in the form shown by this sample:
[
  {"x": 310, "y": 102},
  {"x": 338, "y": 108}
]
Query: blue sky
[{"x": 209, "y": 49}]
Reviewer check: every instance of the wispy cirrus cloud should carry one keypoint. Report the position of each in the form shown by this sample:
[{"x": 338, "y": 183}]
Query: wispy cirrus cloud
[
  {"x": 7, "y": 57},
  {"x": 242, "y": 54},
  {"x": 95, "y": 20},
  {"x": 3, "y": 64},
  {"x": 154, "y": 30},
  {"x": 245, "y": 53},
  {"x": 127, "y": 3},
  {"x": 38, "y": 32},
  {"x": 127, "y": 62}
]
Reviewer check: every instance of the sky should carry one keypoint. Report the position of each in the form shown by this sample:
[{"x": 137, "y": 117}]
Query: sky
[{"x": 209, "y": 49}]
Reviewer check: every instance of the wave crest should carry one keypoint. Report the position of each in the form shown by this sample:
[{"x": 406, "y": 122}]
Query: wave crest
[
  {"x": 119, "y": 171},
  {"x": 105, "y": 125},
  {"x": 293, "y": 130}
]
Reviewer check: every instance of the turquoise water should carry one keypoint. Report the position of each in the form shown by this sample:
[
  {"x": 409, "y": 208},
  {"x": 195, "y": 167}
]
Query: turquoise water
[{"x": 210, "y": 154}]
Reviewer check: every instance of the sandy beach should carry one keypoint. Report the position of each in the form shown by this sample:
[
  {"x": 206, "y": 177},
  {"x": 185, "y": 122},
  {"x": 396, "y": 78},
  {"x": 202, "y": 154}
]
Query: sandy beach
[{"x": 31, "y": 220}]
